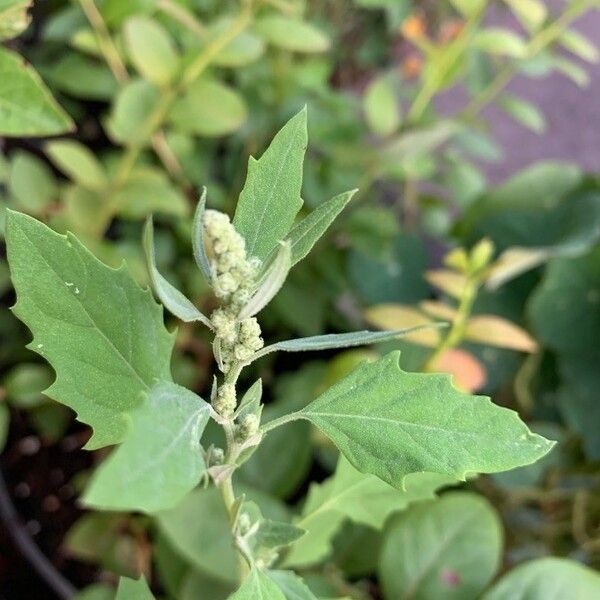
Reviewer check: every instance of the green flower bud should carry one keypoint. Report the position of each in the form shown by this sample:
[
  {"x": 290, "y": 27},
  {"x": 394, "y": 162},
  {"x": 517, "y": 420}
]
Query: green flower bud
[{"x": 247, "y": 427}]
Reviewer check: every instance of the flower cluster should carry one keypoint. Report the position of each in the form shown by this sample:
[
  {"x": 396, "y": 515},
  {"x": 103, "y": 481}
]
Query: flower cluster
[
  {"x": 233, "y": 281},
  {"x": 233, "y": 273}
]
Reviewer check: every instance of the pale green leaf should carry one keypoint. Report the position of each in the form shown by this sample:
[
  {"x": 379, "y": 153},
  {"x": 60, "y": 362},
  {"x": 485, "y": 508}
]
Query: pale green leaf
[
  {"x": 14, "y": 17},
  {"x": 305, "y": 234},
  {"x": 271, "y": 283},
  {"x": 130, "y": 589},
  {"x": 572, "y": 70},
  {"x": 532, "y": 13},
  {"x": 199, "y": 530},
  {"x": 103, "y": 335},
  {"x": 26, "y": 106},
  {"x": 148, "y": 191},
  {"x": 31, "y": 183},
  {"x": 276, "y": 534},
  {"x": 391, "y": 423},
  {"x": 173, "y": 300},
  {"x": 524, "y": 112},
  {"x": 500, "y": 41},
  {"x": 242, "y": 50},
  {"x": 548, "y": 578},
  {"x": 77, "y": 161},
  {"x": 291, "y": 585},
  {"x": 160, "y": 460},
  {"x": 338, "y": 340},
  {"x": 198, "y": 246},
  {"x": 270, "y": 199},
  {"x": 579, "y": 45},
  {"x": 257, "y": 586},
  {"x": 209, "y": 108},
  {"x": 468, "y": 7},
  {"x": 382, "y": 106},
  {"x": 350, "y": 494},
  {"x": 128, "y": 120},
  {"x": 151, "y": 50},
  {"x": 291, "y": 34},
  {"x": 448, "y": 548}
]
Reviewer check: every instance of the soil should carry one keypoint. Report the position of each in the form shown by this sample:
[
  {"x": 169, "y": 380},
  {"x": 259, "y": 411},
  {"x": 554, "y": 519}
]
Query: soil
[{"x": 39, "y": 478}]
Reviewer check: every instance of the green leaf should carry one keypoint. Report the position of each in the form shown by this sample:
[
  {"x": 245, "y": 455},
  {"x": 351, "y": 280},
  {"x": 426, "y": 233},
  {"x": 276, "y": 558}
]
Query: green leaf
[
  {"x": 579, "y": 45},
  {"x": 572, "y": 70},
  {"x": 291, "y": 585},
  {"x": 115, "y": 12},
  {"x": 449, "y": 548},
  {"x": 532, "y": 13},
  {"x": 160, "y": 460},
  {"x": 199, "y": 530},
  {"x": 26, "y": 106},
  {"x": 148, "y": 191},
  {"x": 209, "y": 108},
  {"x": 128, "y": 120},
  {"x": 14, "y": 17},
  {"x": 468, "y": 7},
  {"x": 548, "y": 578},
  {"x": 350, "y": 494},
  {"x": 173, "y": 300},
  {"x": 524, "y": 112},
  {"x": 103, "y": 335},
  {"x": 96, "y": 591},
  {"x": 276, "y": 534},
  {"x": 382, "y": 106},
  {"x": 565, "y": 317},
  {"x": 391, "y": 423},
  {"x": 500, "y": 41},
  {"x": 337, "y": 340},
  {"x": 151, "y": 50},
  {"x": 291, "y": 34},
  {"x": 242, "y": 50},
  {"x": 130, "y": 589},
  {"x": 82, "y": 77},
  {"x": 270, "y": 199},
  {"x": 257, "y": 586},
  {"x": 77, "y": 161},
  {"x": 25, "y": 382},
  {"x": 198, "y": 246},
  {"x": 31, "y": 183},
  {"x": 270, "y": 283},
  {"x": 305, "y": 234}
]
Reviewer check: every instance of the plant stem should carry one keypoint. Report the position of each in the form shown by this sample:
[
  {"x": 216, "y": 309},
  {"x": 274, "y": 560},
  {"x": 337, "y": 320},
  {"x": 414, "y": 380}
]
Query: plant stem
[
  {"x": 539, "y": 42},
  {"x": 456, "y": 332},
  {"x": 181, "y": 15},
  {"x": 105, "y": 42},
  {"x": 452, "y": 53}
]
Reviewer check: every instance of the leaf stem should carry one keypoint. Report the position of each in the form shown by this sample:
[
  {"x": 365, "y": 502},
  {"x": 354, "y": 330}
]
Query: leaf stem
[
  {"x": 105, "y": 41},
  {"x": 456, "y": 332},
  {"x": 281, "y": 421}
]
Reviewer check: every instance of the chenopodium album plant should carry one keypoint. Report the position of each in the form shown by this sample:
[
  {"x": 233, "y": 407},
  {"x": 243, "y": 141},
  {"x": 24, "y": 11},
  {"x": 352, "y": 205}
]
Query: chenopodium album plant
[{"x": 105, "y": 338}]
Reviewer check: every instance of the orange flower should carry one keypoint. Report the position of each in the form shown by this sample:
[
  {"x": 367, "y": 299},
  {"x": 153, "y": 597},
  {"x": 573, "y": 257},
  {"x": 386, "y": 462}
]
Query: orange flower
[{"x": 413, "y": 27}]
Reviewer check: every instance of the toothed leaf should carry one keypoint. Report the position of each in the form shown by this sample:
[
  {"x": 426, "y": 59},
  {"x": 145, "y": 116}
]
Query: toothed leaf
[
  {"x": 103, "y": 335},
  {"x": 390, "y": 423}
]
